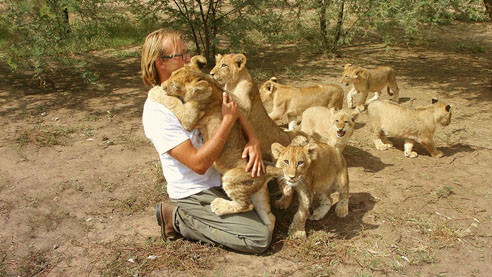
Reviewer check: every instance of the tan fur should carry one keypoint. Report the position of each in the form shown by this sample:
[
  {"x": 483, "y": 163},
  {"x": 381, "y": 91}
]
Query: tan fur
[
  {"x": 369, "y": 80},
  {"x": 231, "y": 72},
  {"x": 294, "y": 101},
  {"x": 315, "y": 170},
  {"x": 335, "y": 126},
  {"x": 190, "y": 84},
  {"x": 413, "y": 124}
]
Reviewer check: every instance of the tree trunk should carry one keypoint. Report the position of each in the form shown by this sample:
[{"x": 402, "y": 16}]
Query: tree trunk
[
  {"x": 322, "y": 23},
  {"x": 338, "y": 29},
  {"x": 488, "y": 7}
]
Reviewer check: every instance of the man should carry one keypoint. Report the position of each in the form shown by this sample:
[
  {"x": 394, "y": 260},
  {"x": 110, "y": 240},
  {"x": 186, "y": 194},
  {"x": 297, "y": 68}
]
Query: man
[{"x": 192, "y": 182}]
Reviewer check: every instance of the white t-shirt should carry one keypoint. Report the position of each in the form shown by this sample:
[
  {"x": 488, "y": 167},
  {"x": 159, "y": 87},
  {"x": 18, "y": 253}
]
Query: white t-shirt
[{"x": 162, "y": 127}]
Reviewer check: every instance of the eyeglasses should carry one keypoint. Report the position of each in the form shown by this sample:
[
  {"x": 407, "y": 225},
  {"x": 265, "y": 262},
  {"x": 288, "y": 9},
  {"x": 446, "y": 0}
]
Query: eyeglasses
[{"x": 182, "y": 55}]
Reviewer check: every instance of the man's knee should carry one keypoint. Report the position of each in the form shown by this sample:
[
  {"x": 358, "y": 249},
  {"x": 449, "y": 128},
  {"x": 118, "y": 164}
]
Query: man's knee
[{"x": 261, "y": 242}]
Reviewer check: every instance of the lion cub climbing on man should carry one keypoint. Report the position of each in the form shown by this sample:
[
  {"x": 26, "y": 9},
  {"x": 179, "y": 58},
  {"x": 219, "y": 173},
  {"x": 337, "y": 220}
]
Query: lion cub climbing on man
[
  {"x": 369, "y": 80},
  {"x": 413, "y": 124},
  {"x": 231, "y": 72},
  {"x": 189, "y": 84},
  {"x": 315, "y": 170}
]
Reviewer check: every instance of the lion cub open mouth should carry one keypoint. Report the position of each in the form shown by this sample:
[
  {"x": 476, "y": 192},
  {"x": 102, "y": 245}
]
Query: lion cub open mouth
[{"x": 340, "y": 133}]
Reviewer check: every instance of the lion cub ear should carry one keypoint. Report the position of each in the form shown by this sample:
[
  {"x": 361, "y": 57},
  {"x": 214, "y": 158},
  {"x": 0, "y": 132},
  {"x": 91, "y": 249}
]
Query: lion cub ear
[
  {"x": 347, "y": 66},
  {"x": 362, "y": 73},
  {"x": 201, "y": 90},
  {"x": 434, "y": 100},
  {"x": 274, "y": 79},
  {"x": 332, "y": 112},
  {"x": 218, "y": 57},
  {"x": 171, "y": 88},
  {"x": 277, "y": 150},
  {"x": 198, "y": 61},
  {"x": 271, "y": 86},
  {"x": 312, "y": 149},
  {"x": 299, "y": 140},
  {"x": 240, "y": 60},
  {"x": 448, "y": 108}
]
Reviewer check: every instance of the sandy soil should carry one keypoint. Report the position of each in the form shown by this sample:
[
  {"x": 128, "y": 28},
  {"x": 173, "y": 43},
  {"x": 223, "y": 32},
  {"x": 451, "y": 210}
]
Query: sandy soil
[{"x": 79, "y": 180}]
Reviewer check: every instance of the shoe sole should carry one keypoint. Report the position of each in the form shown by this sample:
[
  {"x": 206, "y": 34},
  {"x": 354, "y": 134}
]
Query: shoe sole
[{"x": 160, "y": 220}]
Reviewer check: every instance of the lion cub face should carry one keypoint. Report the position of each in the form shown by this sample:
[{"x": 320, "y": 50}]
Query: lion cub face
[
  {"x": 343, "y": 124},
  {"x": 267, "y": 89},
  {"x": 353, "y": 74},
  {"x": 295, "y": 159},
  {"x": 189, "y": 83},
  {"x": 227, "y": 67}
]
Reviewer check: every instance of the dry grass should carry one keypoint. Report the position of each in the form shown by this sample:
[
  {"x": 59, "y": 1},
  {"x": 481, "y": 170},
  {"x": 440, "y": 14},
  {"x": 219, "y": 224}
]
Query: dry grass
[
  {"x": 35, "y": 263},
  {"x": 132, "y": 259}
]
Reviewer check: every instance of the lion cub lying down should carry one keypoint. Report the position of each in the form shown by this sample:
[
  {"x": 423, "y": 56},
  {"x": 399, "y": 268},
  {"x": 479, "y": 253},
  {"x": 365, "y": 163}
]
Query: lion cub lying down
[
  {"x": 413, "y": 124},
  {"x": 314, "y": 169},
  {"x": 369, "y": 80},
  {"x": 335, "y": 126},
  {"x": 190, "y": 85},
  {"x": 293, "y": 101}
]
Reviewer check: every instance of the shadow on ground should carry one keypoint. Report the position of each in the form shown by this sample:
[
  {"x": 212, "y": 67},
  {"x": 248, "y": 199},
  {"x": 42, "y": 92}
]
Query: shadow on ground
[
  {"x": 421, "y": 151},
  {"x": 359, "y": 204},
  {"x": 70, "y": 92},
  {"x": 357, "y": 157}
]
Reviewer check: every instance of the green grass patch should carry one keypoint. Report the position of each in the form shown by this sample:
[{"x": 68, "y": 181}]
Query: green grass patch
[
  {"x": 469, "y": 47},
  {"x": 445, "y": 192},
  {"x": 45, "y": 135}
]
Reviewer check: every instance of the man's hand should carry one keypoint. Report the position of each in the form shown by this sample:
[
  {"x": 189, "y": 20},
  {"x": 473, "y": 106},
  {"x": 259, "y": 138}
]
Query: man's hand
[
  {"x": 229, "y": 108},
  {"x": 255, "y": 164}
]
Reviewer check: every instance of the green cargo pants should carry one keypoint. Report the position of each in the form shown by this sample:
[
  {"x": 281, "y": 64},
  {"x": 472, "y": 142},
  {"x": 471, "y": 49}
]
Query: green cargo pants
[{"x": 243, "y": 232}]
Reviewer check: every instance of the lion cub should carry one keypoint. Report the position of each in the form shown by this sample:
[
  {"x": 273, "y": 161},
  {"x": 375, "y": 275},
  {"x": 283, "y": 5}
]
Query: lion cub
[
  {"x": 369, "y": 80},
  {"x": 293, "y": 101},
  {"x": 413, "y": 124},
  {"x": 231, "y": 72},
  {"x": 314, "y": 169},
  {"x": 335, "y": 126}
]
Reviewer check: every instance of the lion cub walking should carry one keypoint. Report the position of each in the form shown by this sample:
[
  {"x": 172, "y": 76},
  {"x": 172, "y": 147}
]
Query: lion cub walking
[
  {"x": 294, "y": 101},
  {"x": 314, "y": 169},
  {"x": 413, "y": 124},
  {"x": 335, "y": 126},
  {"x": 369, "y": 80}
]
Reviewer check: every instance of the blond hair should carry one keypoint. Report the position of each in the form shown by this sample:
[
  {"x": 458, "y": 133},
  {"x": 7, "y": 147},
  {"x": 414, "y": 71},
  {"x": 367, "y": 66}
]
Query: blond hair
[{"x": 152, "y": 49}]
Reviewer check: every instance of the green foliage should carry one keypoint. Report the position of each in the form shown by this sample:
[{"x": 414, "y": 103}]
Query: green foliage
[
  {"x": 392, "y": 21},
  {"x": 50, "y": 36},
  {"x": 45, "y": 37}
]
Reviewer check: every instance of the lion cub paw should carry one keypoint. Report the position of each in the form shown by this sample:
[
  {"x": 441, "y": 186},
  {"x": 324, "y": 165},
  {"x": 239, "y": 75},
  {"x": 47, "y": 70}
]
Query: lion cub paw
[
  {"x": 219, "y": 206},
  {"x": 299, "y": 234},
  {"x": 412, "y": 154},
  {"x": 438, "y": 154},
  {"x": 317, "y": 215},
  {"x": 341, "y": 210},
  {"x": 360, "y": 108},
  {"x": 382, "y": 146}
]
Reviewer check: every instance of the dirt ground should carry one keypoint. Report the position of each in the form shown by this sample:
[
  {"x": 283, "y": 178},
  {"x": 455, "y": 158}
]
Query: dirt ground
[{"x": 79, "y": 180}]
